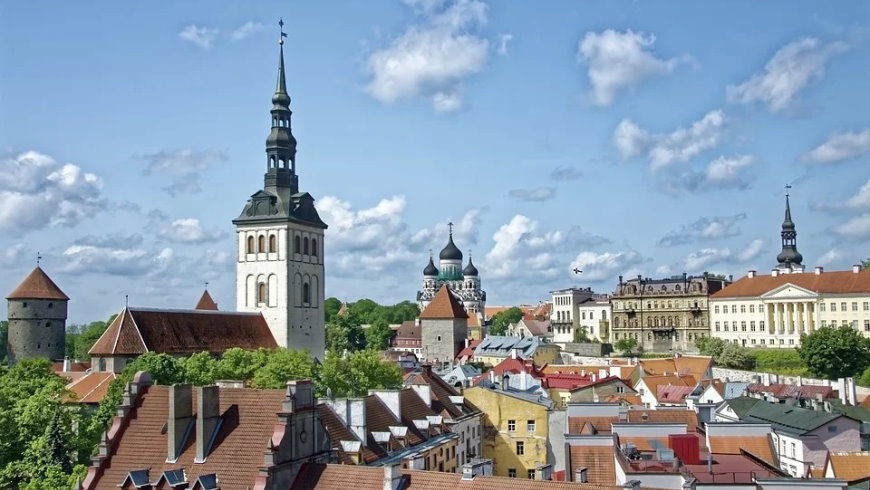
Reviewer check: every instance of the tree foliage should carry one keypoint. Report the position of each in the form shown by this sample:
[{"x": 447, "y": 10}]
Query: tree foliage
[
  {"x": 864, "y": 380},
  {"x": 331, "y": 307},
  {"x": 581, "y": 336},
  {"x": 4, "y": 328},
  {"x": 626, "y": 346},
  {"x": 501, "y": 320},
  {"x": 355, "y": 373},
  {"x": 285, "y": 365},
  {"x": 344, "y": 334},
  {"x": 735, "y": 356},
  {"x": 200, "y": 369},
  {"x": 80, "y": 338},
  {"x": 378, "y": 336},
  {"x": 833, "y": 353},
  {"x": 711, "y": 346}
]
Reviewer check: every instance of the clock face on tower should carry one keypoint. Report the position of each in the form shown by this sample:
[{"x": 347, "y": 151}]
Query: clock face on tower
[{"x": 303, "y": 436}]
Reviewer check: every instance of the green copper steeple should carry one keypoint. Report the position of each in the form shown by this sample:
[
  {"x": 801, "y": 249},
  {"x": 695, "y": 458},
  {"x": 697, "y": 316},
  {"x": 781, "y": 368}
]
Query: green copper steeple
[{"x": 281, "y": 145}]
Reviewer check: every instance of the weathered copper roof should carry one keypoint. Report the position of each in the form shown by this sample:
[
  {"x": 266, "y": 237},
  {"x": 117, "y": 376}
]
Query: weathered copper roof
[
  {"x": 205, "y": 302},
  {"x": 37, "y": 285}
]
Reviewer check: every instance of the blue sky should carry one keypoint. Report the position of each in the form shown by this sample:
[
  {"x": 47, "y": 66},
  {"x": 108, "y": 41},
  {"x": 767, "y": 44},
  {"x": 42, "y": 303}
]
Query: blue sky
[{"x": 619, "y": 137}]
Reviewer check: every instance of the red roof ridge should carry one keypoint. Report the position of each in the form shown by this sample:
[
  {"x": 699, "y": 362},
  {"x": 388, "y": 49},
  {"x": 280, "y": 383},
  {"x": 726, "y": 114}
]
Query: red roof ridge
[{"x": 37, "y": 285}]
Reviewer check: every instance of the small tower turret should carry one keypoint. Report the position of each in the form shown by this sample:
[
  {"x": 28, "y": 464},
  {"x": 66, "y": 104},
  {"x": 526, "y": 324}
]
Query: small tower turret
[
  {"x": 37, "y": 312},
  {"x": 789, "y": 259}
]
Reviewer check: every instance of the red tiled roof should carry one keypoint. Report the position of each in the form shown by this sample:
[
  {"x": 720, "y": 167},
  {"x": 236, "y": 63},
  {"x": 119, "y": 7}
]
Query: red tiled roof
[
  {"x": 444, "y": 305},
  {"x": 339, "y": 432},
  {"x": 511, "y": 365},
  {"x": 182, "y": 332},
  {"x": 205, "y": 302},
  {"x": 758, "y": 446},
  {"x": 37, "y": 285},
  {"x": 731, "y": 469},
  {"x": 468, "y": 352},
  {"x": 792, "y": 391},
  {"x": 599, "y": 462},
  {"x": 594, "y": 425},
  {"x": 441, "y": 392},
  {"x": 665, "y": 416},
  {"x": 249, "y": 421},
  {"x": 851, "y": 466},
  {"x": 92, "y": 387},
  {"x": 696, "y": 366},
  {"x": 833, "y": 282},
  {"x": 409, "y": 330},
  {"x": 74, "y": 367},
  {"x": 673, "y": 394}
]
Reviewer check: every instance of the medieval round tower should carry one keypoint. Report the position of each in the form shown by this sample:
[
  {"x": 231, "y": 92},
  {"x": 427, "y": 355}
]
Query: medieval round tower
[{"x": 37, "y": 311}]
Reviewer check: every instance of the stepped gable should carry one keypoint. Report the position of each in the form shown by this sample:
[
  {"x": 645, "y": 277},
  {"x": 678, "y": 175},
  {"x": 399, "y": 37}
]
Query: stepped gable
[
  {"x": 206, "y": 302},
  {"x": 37, "y": 285},
  {"x": 444, "y": 306}
]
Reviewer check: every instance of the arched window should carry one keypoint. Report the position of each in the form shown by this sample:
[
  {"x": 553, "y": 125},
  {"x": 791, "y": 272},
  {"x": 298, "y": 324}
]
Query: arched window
[
  {"x": 273, "y": 243},
  {"x": 250, "y": 244},
  {"x": 306, "y": 293},
  {"x": 262, "y": 293},
  {"x": 314, "y": 247},
  {"x": 305, "y": 245},
  {"x": 262, "y": 243},
  {"x": 297, "y": 248}
]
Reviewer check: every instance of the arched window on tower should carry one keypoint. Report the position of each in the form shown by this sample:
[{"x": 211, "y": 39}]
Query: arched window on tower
[
  {"x": 297, "y": 248},
  {"x": 262, "y": 243},
  {"x": 306, "y": 294},
  {"x": 314, "y": 247},
  {"x": 305, "y": 246},
  {"x": 262, "y": 293},
  {"x": 251, "y": 245},
  {"x": 273, "y": 243}
]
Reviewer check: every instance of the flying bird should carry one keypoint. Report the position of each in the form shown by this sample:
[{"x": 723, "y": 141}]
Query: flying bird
[{"x": 577, "y": 271}]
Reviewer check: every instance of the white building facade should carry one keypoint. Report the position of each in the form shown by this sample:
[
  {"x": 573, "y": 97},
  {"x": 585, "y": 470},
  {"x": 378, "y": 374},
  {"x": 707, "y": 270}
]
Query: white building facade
[{"x": 575, "y": 308}]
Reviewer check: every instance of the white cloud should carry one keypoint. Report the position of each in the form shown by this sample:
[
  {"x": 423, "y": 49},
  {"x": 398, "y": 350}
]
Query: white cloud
[
  {"x": 605, "y": 266},
  {"x": 857, "y": 228},
  {"x": 713, "y": 228},
  {"x": 619, "y": 60},
  {"x": 751, "y": 251},
  {"x": 700, "y": 260},
  {"x": 13, "y": 255},
  {"x": 38, "y": 192},
  {"x": 563, "y": 173},
  {"x": 84, "y": 259},
  {"x": 503, "y": 41},
  {"x": 188, "y": 230},
  {"x": 831, "y": 256},
  {"x": 841, "y": 146},
  {"x": 788, "y": 72},
  {"x": 861, "y": 199},
  {"x": 432, "y": 58},
  {"x": 184, "y": 167},
  {"x": 726, "y": 171},
  {"x": 680, "y": 145},
  {"x": 247, "y": 29},
  {"x": 533, "y": 194},
  {"x": 521, "y": 252},
  {"x": 200, "y": 36}
]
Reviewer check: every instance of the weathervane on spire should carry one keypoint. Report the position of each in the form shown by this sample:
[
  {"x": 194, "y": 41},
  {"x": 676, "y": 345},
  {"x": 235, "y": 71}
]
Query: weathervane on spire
[
  {"x": 281, "y": 28},
  {"x": 38, "y": 258},
  {"x": 430, "y": 254},
  {"x": 206, "y": 285},
  {"x": 787, "y": 187}
]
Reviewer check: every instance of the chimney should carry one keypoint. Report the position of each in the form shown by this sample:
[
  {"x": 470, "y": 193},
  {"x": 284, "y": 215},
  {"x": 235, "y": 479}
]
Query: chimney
[
  {"x": 392, "y": 399},
  {"x": 730, "y": 277},
  {"x": 492, "y": 376},
  {"x": 300, "y": 394},
  {"x": 856, "y": 268},
  {"x": 544, "y": 472},
  {"x": 66, "y": 364},
  {"x": 208, "y": 420},
  {"x": 765, "y": 379},
  {"x": 392, "y": 476},
  {"x": 750, "y": 274},
  {"x": 515, "y": 353},
  {"x": 180, "y": 418},
  {"x": 424, "y": 392},
  {"x": 851, "y": 391},
  {"x": 774, "y": 272},
  {"x": 356, "y": 417},
  {"x": 467, "y": 342},
  {"x": 819, "y": 270},
  {"x": 620, "y": 280},
  {"x": 505, "y": 381},
  {"x": 581, "y": 475},
  {"x": 593, "y": 377}
]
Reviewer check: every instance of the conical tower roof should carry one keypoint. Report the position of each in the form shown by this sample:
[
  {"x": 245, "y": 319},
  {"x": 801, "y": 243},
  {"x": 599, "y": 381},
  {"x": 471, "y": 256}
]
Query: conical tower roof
[
  {"x": 444, "y": 305},
  {"x": 37, "y": 285},
  {"x": 206, "y": 302}
]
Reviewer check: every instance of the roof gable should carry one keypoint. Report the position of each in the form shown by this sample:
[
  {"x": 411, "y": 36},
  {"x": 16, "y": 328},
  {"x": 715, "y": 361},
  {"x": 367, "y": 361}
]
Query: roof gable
[
  {"x": 206, "y": 302},
  {"x": 37, "y": 285},
  {"x": 789, "y": 290},
  {"x": 122, "y": 337},
  {"x": 444, "y": 306}
]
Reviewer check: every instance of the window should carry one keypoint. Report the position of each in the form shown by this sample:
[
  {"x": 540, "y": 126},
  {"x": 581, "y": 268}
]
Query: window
[
  {"x": 314, "y": 247},
  {"x": 512, "y": 424},
  {"x": 833, "y": 306},
  {"x": 761, "y": 326},
  {"x": 273, "y": 243},
  {"x": 305, "y": 246},
  {"x": 531, "y": 474},
  {"x": 262, "y": 244},
  {"x": 792, "y": 449},
  {"x": 726, "y": 326},
  {"x": 250, "y": 244},
  {"x": 753, "y": 341},
  {"x": 530, "y": 425},
  {"x": 512, "y": 472},
  {"x": 733, "y": 308},
  {"x": 262, "y": 293},
  {"x": 843, "y": 306},
  {"x": 297, "y": 244},
  {"x": 742, "y": 308},
  {"x": 306, "y": 293},
  {"x": 752, "y": 326},
  {"x": 854, "y": 306},
  {"x": 832, "y": 429},
  {"x": 867, "y": 325},
  {"x": 742, "y": 326},
  {"x": 620, "y": 389},
  {"x": 821, "y": 307},
  {"x": 751, "y": 308},
  {"x": 824, "y": 323},
  {"x": 790, "y": 341},
  {"x": 521, "y": 448}
]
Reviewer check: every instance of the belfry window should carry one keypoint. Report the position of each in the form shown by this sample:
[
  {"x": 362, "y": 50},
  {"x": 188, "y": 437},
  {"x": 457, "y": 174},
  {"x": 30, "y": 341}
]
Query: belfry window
[
  {"x": 297, "y": 248},
  {"x": 262, "y": 243},
  {"x": 305, "y": 245},
  {"x": 250, "y": 244},
  {"x": 273, "y": 243},
  {"x": 262, "y": 293},
  {"x": 306, "y": 293},
  {"x": 314, "y": 247}
]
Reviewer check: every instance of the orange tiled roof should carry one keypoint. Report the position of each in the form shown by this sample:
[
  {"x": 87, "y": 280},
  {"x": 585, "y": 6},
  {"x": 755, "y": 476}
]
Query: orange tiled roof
[
  {"x": 696, "y": 366},
  {"x": 851, "y": 466},
  {"x": 653, "y": 382},
  {"x": 205, "y": 302},
  {"x": 37, "y": 285},
  {"x": 599, "y": 425},
  {"x": 444, "y": 305},
  {"x": 834, "y": 282},
  {"x": 665, "y": 416},
  {"x": 758, "y": 446},
  {"x": 598, "y": 461},
  {"x": 92, "y": 387}
]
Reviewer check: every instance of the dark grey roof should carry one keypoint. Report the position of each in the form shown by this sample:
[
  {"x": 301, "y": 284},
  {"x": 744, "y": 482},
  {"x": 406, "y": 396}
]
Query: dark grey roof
[
  {"x": 782, "y": 417},
  {"x": 470, "y": 269},
  {"x": 265, "y": 207},
  {"x": 430, "y": 269},
  {"x": 450, "y": 251}
]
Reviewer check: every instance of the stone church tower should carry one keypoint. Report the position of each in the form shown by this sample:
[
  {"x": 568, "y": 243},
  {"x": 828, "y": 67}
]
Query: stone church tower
[
  {"x": 37, "y": 318},
  {"x": 279, "y": 270}
]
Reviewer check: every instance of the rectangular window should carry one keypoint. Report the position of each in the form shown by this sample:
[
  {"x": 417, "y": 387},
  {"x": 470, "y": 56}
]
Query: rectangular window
[
  {"x": 832, "y": 428},
  {"x": 833, "y": 306},
  {"x": 821, "y": 306},
  {"x": 742, "y": 308},
  {"x": 521, "y": 448},
  {"x": 854, "y": 306},
  {"x": 844, "y": 323},
  {"x": 512, "y": 472},
  {"x": 531, "y": 474},
  {"x": 733, "y": 308},
  {"x": 717, "y": 326},
  {"x": 726, "y": 326},
  {"x": 824, "y": 323},
  {"x": 716, "y": 309},
  {"x": 843, "y": 306},
  {"x": 742, "y": 326},
  {"x": 867, "y": 325},
  {"x": 763, "y": 342},
  {"x": 752, "y": 326},
  {"x": 530, "y": 425},
  {"x": 761, "y": 326},
  {"x": 621, "y": 389},
  {"x": 753, "y": 341},
  {"x": 867, "y": 306},
  {"x": 751, "y": 308},
  {"x": 781, "y": 341},
  {"x": 790, "y": 341},
  {"x": 512, "y": 425}
]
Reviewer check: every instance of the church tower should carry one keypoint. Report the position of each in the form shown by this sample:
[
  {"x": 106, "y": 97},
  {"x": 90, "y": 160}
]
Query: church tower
[
  {"x": 279, "y": 270},
  {"x": 789, "y": 259},
  {"x": 37, "y": 318}
]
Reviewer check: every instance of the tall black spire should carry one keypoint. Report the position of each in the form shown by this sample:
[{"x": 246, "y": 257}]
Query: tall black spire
[
  {"x": 281, "y": 145},
  {"x": 789, "y": 256}
]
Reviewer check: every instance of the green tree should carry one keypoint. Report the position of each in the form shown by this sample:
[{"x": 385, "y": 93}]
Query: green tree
[
  {"x": 835, "y": 353},
  {"x": 354, "y": 374},
  {"x": 285, "y": 365},
  {"x": 163, "y": 368},
  {"x": 865, "y": 264},
  {"x": 331, "y": 307},
  {"x": 734, "y": 356},
  {"x": 864, "y": 380},
  {"x": 86, "y": 338},
  {"x": 240, "y": 364},
  {"x": 711, "y": 346},
  {"x": 199, "y": 369},
  {"x": 626, "y": 346},
  {"x": 378, "y": 335},
  {"x": 580, "y": 335},
  {"x": 502, "y": 319},
  {"x": 344, "y": 333},
  {"x": 4, "y": 328}
]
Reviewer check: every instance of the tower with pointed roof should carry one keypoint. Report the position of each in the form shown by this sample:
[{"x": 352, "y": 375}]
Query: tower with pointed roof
[
  {"x": 280, "y": 241},
  {"x": 37, "y": 311},
  {"x": 463, "y": 282},
  {"x": 789, "y": 259}
]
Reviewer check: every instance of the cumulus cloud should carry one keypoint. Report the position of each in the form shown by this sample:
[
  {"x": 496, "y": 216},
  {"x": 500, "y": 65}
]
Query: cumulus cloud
[
  {"x": 787, "y": 73},
  {"x": 861, "y": 199},
  {"x": 857, "y": 228},
  {"x": 188, "y": 230},
  {"x": 605, "y": 266},
  {"x": 680, "y": 145},
  {"x": 538, "y": 194},
  {"x": 432, "y": 58},
  {"x": 831, "y": 256},
  {"x": 619, "y": 60},
  {"x": 712, "y": 228},
  {"x": 202, "y": 37},
  {"x": 133, "y": 261},
  {"x": 728, "y": 171},
  {"x": 37, "y": 192},
  {"x": 246, "y": 30},
  {"x": 700, "y": 260},
  {"x": 562, "y": 173},
  {"x": 503, "y": 41},
  {"x": 521, "y": 250},
  {"x": 751, "y": 251},
  {"x": 183, "y": 166},
  {"x": 111, "y": 240},
  {"x": 841, "y": 146}
]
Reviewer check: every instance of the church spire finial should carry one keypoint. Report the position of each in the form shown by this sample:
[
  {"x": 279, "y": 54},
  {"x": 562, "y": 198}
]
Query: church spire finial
[
  {"x": 450, "y": 227},
  {"x": 281, "y": 145},
  {"x": 789, "y": 258}
]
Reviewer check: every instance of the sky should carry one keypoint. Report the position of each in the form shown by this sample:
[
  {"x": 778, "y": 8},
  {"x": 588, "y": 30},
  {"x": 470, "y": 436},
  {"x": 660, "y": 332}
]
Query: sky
[{"x": 627, "y": 138}]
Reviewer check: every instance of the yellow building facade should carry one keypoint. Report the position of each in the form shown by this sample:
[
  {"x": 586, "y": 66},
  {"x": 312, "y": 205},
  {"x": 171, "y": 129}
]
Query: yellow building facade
[{"x": 515, "y": 430}]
